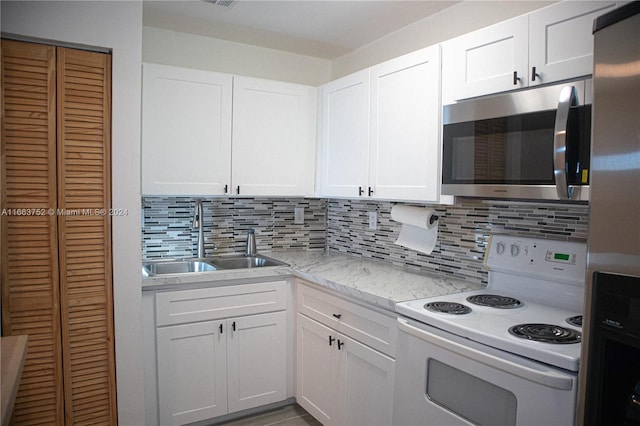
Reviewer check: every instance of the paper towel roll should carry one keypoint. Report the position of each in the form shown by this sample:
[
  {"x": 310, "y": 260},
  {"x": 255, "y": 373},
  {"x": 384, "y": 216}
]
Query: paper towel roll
[{"x": 419, "y": 227}]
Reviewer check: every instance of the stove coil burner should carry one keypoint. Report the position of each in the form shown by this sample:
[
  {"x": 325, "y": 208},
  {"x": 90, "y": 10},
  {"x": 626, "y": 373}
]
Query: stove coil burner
[
  {"x": 494, "y": 301},
  {"x": 575, "y": 321},
  {"x": 448, "y": 308},
  {"x": 546, "y": 333}
]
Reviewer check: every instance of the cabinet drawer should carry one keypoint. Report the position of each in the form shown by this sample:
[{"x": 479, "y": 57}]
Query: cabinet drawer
[
  {"x": 183, "y": 306},
  {"x": 366, "y": 325}
]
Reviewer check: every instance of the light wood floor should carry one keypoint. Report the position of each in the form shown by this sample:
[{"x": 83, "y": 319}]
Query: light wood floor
[{"x": 291, "y": 415}]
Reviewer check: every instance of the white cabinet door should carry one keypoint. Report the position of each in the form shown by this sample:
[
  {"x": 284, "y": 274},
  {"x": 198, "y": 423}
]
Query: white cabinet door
[
  {"x": 561, "y": 40},
  {"x": 344, "y": 149},
  {"x": 366, "y": 376},
  {"x": 341, "y": 381},
  {"x": 257, "y": 360},
  {"x": 186, "y": 131},
  {"x": 485, "y": 61},
  {"x": 274, "y": 128},
  {"x": 317, "y": 377},
  {"x": 405, "y": 127},
  {"x": 192, "y": 372}
]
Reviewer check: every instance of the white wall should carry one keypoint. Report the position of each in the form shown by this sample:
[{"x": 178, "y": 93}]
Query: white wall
[
  {"x": 194, "y": 51},
  {"x": 459, "y": 19},
  {"x": 116, "y": 25},
  {"x": 169, "y": 47}
]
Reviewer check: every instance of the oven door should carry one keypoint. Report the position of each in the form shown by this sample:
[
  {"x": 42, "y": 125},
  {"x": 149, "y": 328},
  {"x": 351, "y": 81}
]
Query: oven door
[{"x": 444, "y": 379}]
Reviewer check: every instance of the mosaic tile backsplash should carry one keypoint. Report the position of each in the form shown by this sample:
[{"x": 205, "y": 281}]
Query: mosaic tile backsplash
[
  {"x": 167, "y": 230},
  {"x": 463, "y": 232},
  {"x": 343, "y": 226}
]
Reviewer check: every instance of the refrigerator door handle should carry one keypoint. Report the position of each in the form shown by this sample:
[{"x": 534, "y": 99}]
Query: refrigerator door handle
[{"x": 566, "y": 101}]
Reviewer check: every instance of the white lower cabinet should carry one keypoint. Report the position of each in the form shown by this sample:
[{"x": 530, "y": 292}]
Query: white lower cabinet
[
  {"x": 341, "y": 381},
  {"x": 256, "y": 360},
  {"x": 318, "y": 370},
  {"x": 212, "y": 363},
  {"x": 192, "y": 372},
  {"x": 367, "y": 377}
]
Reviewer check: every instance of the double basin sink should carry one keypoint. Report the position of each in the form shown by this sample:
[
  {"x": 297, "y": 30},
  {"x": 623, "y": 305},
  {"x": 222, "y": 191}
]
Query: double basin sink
[{"x": 185, "y": 266}]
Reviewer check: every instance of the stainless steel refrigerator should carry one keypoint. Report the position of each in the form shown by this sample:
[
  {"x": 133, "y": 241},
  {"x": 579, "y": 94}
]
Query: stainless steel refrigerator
[{"x": 610, "y": 371}]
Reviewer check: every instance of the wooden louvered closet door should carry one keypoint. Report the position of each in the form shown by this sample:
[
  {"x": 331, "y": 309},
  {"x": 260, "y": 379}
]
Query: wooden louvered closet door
[
  {"x": 56, "y": 231},
  {"x": 30, "y": 287}
]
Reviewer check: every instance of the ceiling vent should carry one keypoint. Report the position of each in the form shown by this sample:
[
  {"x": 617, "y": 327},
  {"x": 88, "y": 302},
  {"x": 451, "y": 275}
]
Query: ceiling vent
[{"x": 223, "y": 3}]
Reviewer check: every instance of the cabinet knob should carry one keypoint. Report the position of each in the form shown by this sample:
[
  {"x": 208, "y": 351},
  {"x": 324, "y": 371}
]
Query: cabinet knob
[
  {"x": 238, "y": 189},
  {"x": 226, "y": 189},
  {"x": 516, "y": 79},
  {"x": 220, "y": 328},
  {"x": 534, "y": 74},
  {"x": 233, "y": 326},
  {"x": 370, "y": 191},
  {"x": 337, "y": 316},
  {"x": 360, "y": 190},
  {"x": 331, "y": 340},
  {"x": 340, "y": 345}
]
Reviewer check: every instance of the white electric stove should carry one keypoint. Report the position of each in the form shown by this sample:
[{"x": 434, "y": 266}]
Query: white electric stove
[
  {"x": 533, "y": 300},
  {"x": 509, "y": 358}
]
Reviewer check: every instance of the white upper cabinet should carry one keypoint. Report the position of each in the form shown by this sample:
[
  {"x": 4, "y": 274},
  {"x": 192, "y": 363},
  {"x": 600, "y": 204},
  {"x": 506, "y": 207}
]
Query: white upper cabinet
[
  {"x": 344, "y": 149},
  {"x": 206, "y": 133},
  {"x": 405, "y": 127},
  {"x": 274, "y": 128},
  {"x": 380, "y": 131},
  {"x": 561, "y": 41},
  {"x": 490, "y": 60},
  {"x": 552, "y": 44},
  {"x": 186, "y": 131}
]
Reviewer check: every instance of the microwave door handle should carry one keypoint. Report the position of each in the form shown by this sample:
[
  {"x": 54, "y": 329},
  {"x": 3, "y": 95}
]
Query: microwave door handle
[{"x": 566, "y": 101}]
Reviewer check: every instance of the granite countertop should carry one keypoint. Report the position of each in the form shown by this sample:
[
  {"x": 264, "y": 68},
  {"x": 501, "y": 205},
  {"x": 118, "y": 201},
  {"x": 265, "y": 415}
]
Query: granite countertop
[{"x": 375, "y": 282}]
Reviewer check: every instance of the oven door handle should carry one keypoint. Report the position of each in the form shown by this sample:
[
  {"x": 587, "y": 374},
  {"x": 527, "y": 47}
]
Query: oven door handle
[
  {"x": 547, "y": 378},
  {"x": 566, "y": 100}
]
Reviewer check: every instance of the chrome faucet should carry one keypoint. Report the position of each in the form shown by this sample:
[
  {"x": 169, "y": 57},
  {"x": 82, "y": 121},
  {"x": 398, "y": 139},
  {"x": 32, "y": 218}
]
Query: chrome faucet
[{"x": 198, "y": 223}]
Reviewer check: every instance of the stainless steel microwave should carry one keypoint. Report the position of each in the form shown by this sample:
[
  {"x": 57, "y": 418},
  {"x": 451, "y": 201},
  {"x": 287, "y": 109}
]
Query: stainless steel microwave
[{"x": 531, "y": 144}]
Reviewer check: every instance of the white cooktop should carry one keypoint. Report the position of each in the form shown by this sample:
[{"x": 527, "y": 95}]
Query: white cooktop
[{"x": 522, "y": 268}]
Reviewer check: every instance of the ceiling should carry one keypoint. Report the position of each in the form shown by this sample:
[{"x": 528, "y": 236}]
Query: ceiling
[{"x": 325, "y": 29}]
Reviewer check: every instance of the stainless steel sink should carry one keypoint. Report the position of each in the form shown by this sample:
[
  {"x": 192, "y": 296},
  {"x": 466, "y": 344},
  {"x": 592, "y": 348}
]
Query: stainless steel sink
[
  {"x": 243, "y": 262},
  {"x": 176, "y": 267},
  {"x": 166, "y": 267}
]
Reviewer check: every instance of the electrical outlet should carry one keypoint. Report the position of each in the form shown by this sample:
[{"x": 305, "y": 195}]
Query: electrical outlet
[
  {"x": 373, "y": 221},
  {"x": 298, "y": 215}
]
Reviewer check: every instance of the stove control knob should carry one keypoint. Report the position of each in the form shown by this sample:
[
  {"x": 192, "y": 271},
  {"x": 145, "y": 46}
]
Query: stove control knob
[
  {"x": 515, "y": 250},
  {"x": 500, "y": 248}
]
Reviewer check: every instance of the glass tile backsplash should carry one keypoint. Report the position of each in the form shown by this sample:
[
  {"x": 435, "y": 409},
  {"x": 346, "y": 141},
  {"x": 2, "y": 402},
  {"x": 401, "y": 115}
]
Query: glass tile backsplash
[
  {"x": 343, "y": 226},
  {"x": 463, "y": 232},
  {"x": 168, "y": 232}
]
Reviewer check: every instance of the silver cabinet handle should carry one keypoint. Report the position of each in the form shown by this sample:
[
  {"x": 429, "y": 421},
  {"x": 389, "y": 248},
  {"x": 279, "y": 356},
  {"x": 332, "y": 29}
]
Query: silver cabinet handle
[{"x": 566, "y": 101}]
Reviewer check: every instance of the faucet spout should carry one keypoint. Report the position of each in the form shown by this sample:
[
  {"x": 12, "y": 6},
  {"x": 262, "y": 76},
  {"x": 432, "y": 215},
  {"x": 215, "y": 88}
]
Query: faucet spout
[{"x": 198, "y": 223}]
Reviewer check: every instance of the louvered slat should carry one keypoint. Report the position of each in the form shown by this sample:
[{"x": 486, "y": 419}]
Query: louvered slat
[
  {"x": 30, "y": 298},
  {"x": 85, "y": 249}
]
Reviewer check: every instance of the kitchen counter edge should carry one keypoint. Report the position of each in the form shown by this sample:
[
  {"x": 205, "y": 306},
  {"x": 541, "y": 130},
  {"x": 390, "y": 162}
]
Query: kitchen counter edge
[{"x": 375, "y": 282}]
